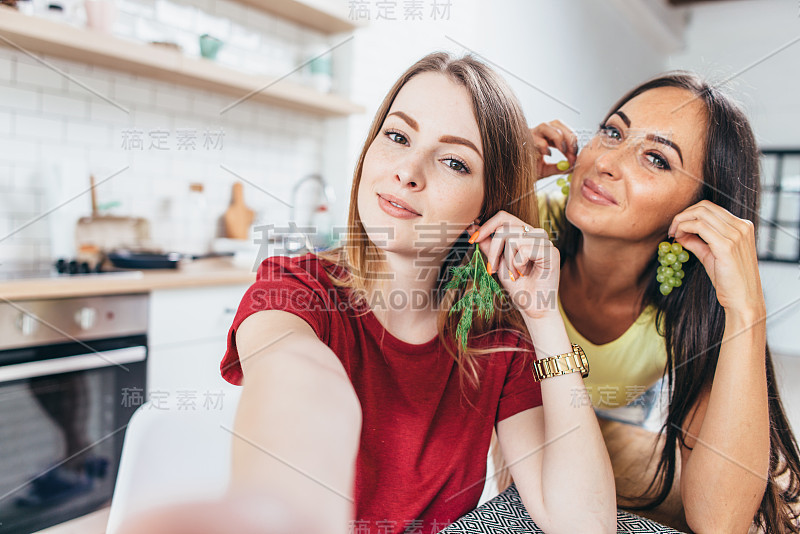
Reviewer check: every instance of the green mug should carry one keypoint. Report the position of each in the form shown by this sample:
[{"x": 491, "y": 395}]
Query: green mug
[{"x": 209, "y": 46}]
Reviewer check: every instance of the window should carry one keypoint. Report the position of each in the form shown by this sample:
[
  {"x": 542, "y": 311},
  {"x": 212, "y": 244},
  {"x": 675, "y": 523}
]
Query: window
[{"x": 779, "y": 227}]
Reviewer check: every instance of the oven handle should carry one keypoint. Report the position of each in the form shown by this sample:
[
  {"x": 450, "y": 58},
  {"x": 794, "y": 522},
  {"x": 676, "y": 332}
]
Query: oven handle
[{"x": 79, "y": 362}]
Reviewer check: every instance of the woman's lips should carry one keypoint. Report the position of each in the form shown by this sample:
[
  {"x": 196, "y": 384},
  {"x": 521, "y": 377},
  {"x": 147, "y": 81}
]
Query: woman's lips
[
  {"x": 394, "y": 211},
  {"x": 596, "y": 194}
]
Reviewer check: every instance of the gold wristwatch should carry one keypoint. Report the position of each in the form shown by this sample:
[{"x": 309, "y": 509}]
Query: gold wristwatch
[{"x": 562, "y": 364}]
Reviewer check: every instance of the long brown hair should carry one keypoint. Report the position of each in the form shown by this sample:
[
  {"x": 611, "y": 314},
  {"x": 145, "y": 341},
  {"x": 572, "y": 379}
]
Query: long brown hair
[
  {"x": 693, "y": 319},
  {"x": 509, "y": 175}
]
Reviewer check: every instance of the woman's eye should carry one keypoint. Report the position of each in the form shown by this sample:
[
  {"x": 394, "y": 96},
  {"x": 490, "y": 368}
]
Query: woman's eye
[
  {"x": 397, "y": 138},
  {"x": 657, "y": 161},
  {"x": 456, "y": 165},
  {"x": 610, "y": 132}
]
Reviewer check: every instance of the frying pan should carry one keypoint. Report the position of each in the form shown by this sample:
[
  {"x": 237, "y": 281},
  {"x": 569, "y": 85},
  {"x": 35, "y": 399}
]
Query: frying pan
[{"x": 128, "y": 259}]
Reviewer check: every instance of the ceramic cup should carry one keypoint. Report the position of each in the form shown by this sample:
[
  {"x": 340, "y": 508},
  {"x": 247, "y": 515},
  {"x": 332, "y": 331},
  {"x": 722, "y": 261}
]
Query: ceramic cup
[{"x": 209, "y": 46}]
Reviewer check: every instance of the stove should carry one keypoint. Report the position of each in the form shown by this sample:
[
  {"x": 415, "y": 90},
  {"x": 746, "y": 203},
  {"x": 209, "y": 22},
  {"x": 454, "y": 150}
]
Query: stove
[{"x": 61, "y": 269}]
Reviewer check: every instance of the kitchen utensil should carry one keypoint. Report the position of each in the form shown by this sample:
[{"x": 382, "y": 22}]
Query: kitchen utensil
[
  {"x": 98, "y": 234},
  {"x": 128, "y": 259},
  {"x": 141, "y": 260},
  {"x": 238, "y": 216}
]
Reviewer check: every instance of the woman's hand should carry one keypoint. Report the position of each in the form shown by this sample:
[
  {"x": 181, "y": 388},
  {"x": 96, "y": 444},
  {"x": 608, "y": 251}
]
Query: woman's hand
[
  {"x": 726, "y": 246},
  {"x": 557, "y": 135},
  {"x": 243, "y": 514},
  {"x": 527, "y": 264}
]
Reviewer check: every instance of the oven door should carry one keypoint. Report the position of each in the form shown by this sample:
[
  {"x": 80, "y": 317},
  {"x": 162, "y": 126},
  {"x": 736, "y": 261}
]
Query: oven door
[{"x": 63, "y": 413}]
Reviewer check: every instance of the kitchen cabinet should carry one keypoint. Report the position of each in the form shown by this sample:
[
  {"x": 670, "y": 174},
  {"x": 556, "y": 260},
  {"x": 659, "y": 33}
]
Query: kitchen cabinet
[
  {"x": 187, "y": 340},
  {"x": 40, "y": 35}
]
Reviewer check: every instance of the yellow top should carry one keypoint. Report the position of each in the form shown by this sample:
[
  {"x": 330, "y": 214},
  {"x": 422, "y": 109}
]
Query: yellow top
[{"x": 622, "y": 369}]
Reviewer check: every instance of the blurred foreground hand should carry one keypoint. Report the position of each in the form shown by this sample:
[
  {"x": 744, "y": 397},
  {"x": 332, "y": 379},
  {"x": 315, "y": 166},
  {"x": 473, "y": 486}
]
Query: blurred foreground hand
[{"x": 241, "y": 515}]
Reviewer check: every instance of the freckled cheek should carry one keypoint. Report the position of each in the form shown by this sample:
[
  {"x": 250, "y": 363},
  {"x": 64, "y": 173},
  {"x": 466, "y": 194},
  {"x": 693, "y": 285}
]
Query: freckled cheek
[
  {"x": 444, "y": 203},
  {"x": 654, "y": 211},
  {"x": 586, "y": 158},
  {"x": 376, "y": 162},
  {"x": 462, "y": 204}
]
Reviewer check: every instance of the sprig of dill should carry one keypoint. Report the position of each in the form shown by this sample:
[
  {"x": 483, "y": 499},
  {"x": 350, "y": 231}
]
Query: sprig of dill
[{"x": 481, "y": 294}]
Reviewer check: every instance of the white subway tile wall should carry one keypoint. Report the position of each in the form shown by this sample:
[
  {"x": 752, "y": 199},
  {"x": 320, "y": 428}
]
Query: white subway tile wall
[{"x": 145, "y": 141}]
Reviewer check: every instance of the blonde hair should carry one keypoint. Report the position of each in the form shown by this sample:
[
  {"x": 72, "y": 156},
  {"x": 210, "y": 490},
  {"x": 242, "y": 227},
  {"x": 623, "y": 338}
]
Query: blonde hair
[{"x": 509, "y": 177}]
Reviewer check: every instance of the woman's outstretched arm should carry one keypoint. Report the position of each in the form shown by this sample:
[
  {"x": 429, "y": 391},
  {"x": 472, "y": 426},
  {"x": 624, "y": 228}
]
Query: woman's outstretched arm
[
  {"x": 295, "y": 441},
  {"x": 298, "y": 423}
]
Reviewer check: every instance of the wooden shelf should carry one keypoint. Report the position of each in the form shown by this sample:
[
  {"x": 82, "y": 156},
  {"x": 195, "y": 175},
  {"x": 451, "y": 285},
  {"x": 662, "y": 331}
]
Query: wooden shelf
[
  {"x": 328, "y": 16},
  {"x": 40, "y": 35}
]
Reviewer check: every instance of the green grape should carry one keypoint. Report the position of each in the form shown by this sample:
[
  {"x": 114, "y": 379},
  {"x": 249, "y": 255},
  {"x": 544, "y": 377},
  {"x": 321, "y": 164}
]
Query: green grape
[
  {"x": 565, "y": 190},
  {"x": 562, "y": 165},
  {"x": 671, "y": 257},
  {"x": 561, "y": 182}
]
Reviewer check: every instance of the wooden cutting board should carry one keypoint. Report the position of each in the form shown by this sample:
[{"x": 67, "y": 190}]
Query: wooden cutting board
[{"x": 238, "y": 217}]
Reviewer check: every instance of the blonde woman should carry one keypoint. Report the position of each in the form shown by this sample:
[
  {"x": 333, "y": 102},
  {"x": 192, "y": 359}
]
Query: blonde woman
[{"x": 357, "y": 398}]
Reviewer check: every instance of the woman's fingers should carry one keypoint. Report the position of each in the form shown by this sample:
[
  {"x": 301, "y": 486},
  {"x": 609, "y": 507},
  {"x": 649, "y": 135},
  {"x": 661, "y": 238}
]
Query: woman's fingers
[
  {"x": 493, "y": 236},
  {"x": 571, "y": 140},
  {"x": 720, "y": 217},
  {"x": 711, "y": 239},
  {"x": 488, "y": 242},
  {"x": 509, "y": 251},
  {"x": 557, "y": 135},
  {"x": 508, "y": 247},
  {"x": 717, "y": 227},
  {"x": 497, "y": 245},
  {"x": 725, "y": 246}
]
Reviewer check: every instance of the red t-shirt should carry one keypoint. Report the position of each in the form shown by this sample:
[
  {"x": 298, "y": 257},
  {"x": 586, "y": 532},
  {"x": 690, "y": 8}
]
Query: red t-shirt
[{"x": 422, "y": 457}]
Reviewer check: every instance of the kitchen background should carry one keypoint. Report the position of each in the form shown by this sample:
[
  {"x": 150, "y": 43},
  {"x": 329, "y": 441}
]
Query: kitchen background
[
  {"x": 146, "y": 139},
  {"x": 567, "y": 60}
]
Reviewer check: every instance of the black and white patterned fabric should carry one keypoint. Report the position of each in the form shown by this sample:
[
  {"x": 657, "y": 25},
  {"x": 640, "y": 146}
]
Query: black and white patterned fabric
[{"x": 506, "y": 514}]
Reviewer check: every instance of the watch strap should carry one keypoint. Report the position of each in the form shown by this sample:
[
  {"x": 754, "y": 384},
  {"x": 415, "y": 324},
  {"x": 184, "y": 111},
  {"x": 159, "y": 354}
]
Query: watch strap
[{"x": 561, "y": 364}]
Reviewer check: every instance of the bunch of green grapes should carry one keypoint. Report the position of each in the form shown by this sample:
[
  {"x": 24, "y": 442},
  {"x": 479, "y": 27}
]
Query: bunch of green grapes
[{"x": 670, "y": 273}]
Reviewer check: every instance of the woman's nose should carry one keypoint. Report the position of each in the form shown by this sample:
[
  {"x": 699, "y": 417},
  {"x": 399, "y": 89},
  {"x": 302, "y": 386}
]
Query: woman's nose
[
  {"x": 610, "y": 159},
  {"x": 410, "y": 173}
]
